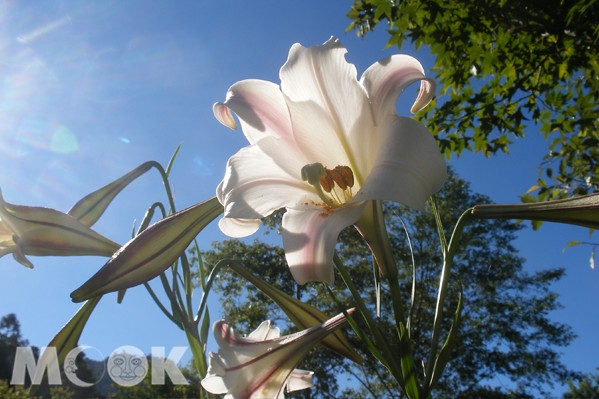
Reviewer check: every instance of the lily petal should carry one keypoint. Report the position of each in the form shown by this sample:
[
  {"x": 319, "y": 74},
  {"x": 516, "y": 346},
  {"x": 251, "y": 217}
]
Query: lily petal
[
  {"x": 309, "y": 238},
  {"x": 264, "y": 332},
  {"x": 325, "y": 100},
  {"x": 387, "y": 78},
  {"x": 6, "y": 234},
  {"x": 255, "y": 185},
  {"x": 261, "y": 109},
  {"x": 299, "y": 379},
  {"x": 409, "y": 167},
  {"x": 252, "y": 369},
  {"x": 223, "y": 114},
  {"x": 238, "y": 228}
]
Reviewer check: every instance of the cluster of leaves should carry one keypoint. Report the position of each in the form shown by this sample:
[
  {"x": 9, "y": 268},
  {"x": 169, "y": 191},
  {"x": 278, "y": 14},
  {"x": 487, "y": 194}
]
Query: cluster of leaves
[
  {"x": 506, "y": 329},
  {"x": 586, "y": 388},
  {"x": 503, "y": 66}
]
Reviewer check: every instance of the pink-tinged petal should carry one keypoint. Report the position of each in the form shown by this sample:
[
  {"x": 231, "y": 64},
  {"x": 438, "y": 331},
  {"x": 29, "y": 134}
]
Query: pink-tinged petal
[
  {"x": 325, "y": 101},
  {"x": 214, "y": 382},
  {"x": 261, "y": 109},
  {"x": 223, "y": 114},
  {"x": 264, "y": 332},
  {"x": 299, "y": 379},
  {"x": 409, "y": 167},
  {"x": 234, "y": 227},
  {"x": 252, "y": 369},
  {"x": 386, "y": 79},
  {"x": 425, "y": 94},
  {"x": 257, "y": 184},
  {"x": 237, "y": 228},
  {"x": 309, "y": 238}
]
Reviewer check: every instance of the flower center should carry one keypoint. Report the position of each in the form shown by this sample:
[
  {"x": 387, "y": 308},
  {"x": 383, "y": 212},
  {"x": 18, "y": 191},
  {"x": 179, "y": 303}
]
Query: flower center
[{"x": 333, "y": 186}]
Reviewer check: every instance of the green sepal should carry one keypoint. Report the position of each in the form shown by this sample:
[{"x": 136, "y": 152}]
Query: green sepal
[{"x": 151, "y": 252}]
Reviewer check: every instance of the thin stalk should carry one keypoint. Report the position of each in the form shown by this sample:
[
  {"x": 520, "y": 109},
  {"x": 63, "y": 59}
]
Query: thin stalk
[
  {"x": 447, "y": 264},
  {"x": 167, "y": 186},
  {"x": 160, "y": 305},
  {"x": 380, "y": 340},
  {"x": 361, "y": 334}
]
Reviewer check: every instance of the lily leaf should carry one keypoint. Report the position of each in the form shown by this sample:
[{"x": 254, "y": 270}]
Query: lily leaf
[
  {"x": 151, "y": 252},
  {"x": 68, "y": 337},
  {"x": 445, "y": 352}
]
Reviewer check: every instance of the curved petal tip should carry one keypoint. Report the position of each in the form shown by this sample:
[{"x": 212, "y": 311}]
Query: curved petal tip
[
  {"x": 224, "y": 115},
  {"x": 237, "y": 228},
  {"x": 425, "y": 94}
]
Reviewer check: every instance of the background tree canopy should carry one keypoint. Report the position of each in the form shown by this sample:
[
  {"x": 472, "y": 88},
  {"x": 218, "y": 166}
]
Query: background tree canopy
[
  {"x": 506, "y": 330},
  {"x": 502, "y": 66}
]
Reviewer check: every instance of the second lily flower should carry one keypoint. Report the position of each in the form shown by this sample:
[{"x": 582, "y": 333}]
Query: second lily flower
[{"x": 323, "y": 144}]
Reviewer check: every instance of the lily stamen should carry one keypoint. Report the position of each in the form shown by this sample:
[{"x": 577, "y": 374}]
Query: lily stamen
[
  {"x": 337, "y": 183},
  {"x": 313, "y": 173}
]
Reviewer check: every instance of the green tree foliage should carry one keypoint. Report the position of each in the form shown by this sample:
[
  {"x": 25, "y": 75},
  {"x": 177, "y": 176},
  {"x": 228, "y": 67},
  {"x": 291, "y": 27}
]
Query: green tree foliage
[
  {"x": 503, "y": 65},
  {"x": 505, "y": 331},
  {"x": 10, "y": 339},
  {"x": 586, "y": 388}
]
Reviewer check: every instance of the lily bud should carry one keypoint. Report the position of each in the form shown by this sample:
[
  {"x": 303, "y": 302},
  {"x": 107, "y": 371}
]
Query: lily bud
[
  {"x": 580, "y": 211},
  {"x": 38, "y": 231},
  {"x": 151, "y": 252},
  {"x": 262, "y": 365}
]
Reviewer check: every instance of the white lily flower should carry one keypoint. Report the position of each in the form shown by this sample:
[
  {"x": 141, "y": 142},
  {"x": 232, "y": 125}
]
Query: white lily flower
[
  {"x": 323, "y": 144},
  {"x": 262, "y": 365}
]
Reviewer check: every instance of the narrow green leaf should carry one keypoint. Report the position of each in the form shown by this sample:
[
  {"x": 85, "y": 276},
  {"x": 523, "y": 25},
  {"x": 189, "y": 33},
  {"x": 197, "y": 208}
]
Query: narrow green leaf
[
  {"x": 68, "y": 337},
  {"x": 197, "y": 350},
  {"x": 445, "y": 352},
  {"x": 408, "y": 370}
]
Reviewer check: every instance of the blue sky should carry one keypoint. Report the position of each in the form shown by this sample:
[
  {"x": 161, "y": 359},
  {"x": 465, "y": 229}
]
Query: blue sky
[{"x": 90, "y": 90}]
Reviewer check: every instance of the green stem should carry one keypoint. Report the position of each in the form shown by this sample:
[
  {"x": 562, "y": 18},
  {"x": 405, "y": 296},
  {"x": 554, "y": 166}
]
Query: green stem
[
  {"x": 167, "y": 186},
  {"x": 380, "y": 340},
  {"x": 447, "y": 264},
  {"x": 374, "y": 230}
]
